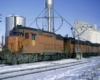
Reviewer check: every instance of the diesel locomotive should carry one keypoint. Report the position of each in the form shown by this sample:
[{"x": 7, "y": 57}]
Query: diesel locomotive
[
  {"x": 31, "y": 45},
  {"x": 26, "y": 45}
]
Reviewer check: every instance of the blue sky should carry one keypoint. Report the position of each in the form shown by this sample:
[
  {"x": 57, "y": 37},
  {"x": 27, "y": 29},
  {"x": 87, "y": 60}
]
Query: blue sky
[{"x": 71, "y": 10}]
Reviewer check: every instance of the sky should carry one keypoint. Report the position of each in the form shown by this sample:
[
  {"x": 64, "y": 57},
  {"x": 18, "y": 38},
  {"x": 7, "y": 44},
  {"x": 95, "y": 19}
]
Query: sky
[{"x": 70, "y": 10}]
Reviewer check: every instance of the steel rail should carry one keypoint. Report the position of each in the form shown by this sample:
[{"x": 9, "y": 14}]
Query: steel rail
[{"x": 43, "y": 70}]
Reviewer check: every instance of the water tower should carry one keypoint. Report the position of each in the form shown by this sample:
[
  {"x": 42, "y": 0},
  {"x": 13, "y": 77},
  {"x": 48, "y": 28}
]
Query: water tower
[
  {"x": 49, "y": 15},
  {"x": 12, "y": 21}
]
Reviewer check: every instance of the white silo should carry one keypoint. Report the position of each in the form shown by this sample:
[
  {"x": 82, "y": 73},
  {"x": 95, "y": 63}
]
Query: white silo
[
  {"x": 12, "y": 21},
  {"x": 94, "y": 26}
]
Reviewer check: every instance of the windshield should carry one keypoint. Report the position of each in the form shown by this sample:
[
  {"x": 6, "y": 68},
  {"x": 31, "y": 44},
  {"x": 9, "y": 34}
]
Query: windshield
[{"x": 16, "y": 34}]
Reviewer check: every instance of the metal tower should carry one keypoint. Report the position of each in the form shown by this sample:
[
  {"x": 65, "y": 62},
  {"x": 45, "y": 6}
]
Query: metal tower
[{"x": 49, "y": 15}]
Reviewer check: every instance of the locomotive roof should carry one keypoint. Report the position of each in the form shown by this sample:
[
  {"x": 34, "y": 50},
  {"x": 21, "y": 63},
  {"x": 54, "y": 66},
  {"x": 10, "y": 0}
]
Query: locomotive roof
[
  {"x": 73, "y": 39},
  {"x": 34, "y": 29}
]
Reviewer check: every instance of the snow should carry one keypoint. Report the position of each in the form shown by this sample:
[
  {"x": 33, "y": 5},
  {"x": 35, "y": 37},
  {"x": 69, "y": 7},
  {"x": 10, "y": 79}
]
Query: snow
[
  {"x": 88, "y": 71},
  {"x": 34, "y": 65}
]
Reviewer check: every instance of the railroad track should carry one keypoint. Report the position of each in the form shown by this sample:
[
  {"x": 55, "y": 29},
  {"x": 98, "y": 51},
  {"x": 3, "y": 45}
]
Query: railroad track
[
  {"x": 36, "y": 70},
  {"x": 2, "y": 65},
  {"x": 18, "y": 73},
  {"x": 54, "y": 64}
]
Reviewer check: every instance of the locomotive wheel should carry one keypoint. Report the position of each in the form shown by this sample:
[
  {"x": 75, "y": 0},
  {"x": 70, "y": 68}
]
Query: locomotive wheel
[
  {"x": 40, "y": 57},
  {"x": 25, "y": 58},
  {"x": 33, "y": 60},
  {"x": 14, "y": 61},
  {"x": 19, "y": 58},
  {"x": 55, "y": 57},
  {"x": 8, "y": 58},
  {"x": 70, "y": 55},
  {"x": 66, "y": 55},
  {"x": 30, "y": 58},
  {"x": 61, "y": 56},
  {"x": 52, "y": 57},
  {"x": 36, "y": 57},
  {"x": 58, "y": 56}
]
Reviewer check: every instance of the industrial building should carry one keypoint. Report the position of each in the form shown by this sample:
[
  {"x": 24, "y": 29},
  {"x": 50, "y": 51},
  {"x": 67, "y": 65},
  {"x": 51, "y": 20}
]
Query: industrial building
[{"x": 86, "y": 31}]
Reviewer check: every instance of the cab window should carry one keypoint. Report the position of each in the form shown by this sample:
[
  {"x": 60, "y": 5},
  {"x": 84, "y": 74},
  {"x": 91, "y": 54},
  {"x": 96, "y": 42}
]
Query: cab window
[
  {"x": 16, "y": 34},
  {"x": 33, "y": 36},
  {"x": 20, "y": 34},
  {"x": 26, "y": 35},
  {"x": 13, "y": 34}
]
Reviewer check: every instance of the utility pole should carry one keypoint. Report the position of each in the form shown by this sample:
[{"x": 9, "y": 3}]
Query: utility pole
[{"x": 78, "y": 52}]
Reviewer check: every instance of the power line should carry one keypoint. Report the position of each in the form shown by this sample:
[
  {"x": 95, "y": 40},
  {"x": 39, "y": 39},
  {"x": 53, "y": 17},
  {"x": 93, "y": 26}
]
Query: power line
[{"x": 37, "y": 17}]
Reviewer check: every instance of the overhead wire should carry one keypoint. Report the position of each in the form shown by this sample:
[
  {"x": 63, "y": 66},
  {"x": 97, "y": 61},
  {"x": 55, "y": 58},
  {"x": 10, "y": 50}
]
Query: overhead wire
[
  {"x": 67, "y": 23},
  {"x": 37, "y": 24},
  {"x": 37, "y": 17},
  {"x": 59, "y": 27}
]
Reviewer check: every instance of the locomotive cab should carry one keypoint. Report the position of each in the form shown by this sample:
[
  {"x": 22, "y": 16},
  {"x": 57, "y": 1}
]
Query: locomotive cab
[
  {"x": 14, "y": 41},
  {"x": 21, "y": 40}
]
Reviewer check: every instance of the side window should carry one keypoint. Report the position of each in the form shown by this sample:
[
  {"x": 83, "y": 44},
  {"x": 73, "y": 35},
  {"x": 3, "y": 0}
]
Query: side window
[
  {"x": 26, "y": 35},
  {"x": 33, "y": 36},
  {"x": 13, "y": 34},
  {"x": 20, "y": 34}
]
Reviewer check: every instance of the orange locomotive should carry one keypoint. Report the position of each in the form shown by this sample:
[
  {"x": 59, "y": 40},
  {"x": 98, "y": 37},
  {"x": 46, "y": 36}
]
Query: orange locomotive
[
  {"x": 29, "y": 40},
  {"x": 30, "y": 45},
  {"x": 87, "y": 48}
]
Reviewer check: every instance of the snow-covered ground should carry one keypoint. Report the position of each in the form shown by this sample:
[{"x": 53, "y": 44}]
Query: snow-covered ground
[
  {"x": 7, "y": 68},
  {"x": 88, "y": 71}
]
